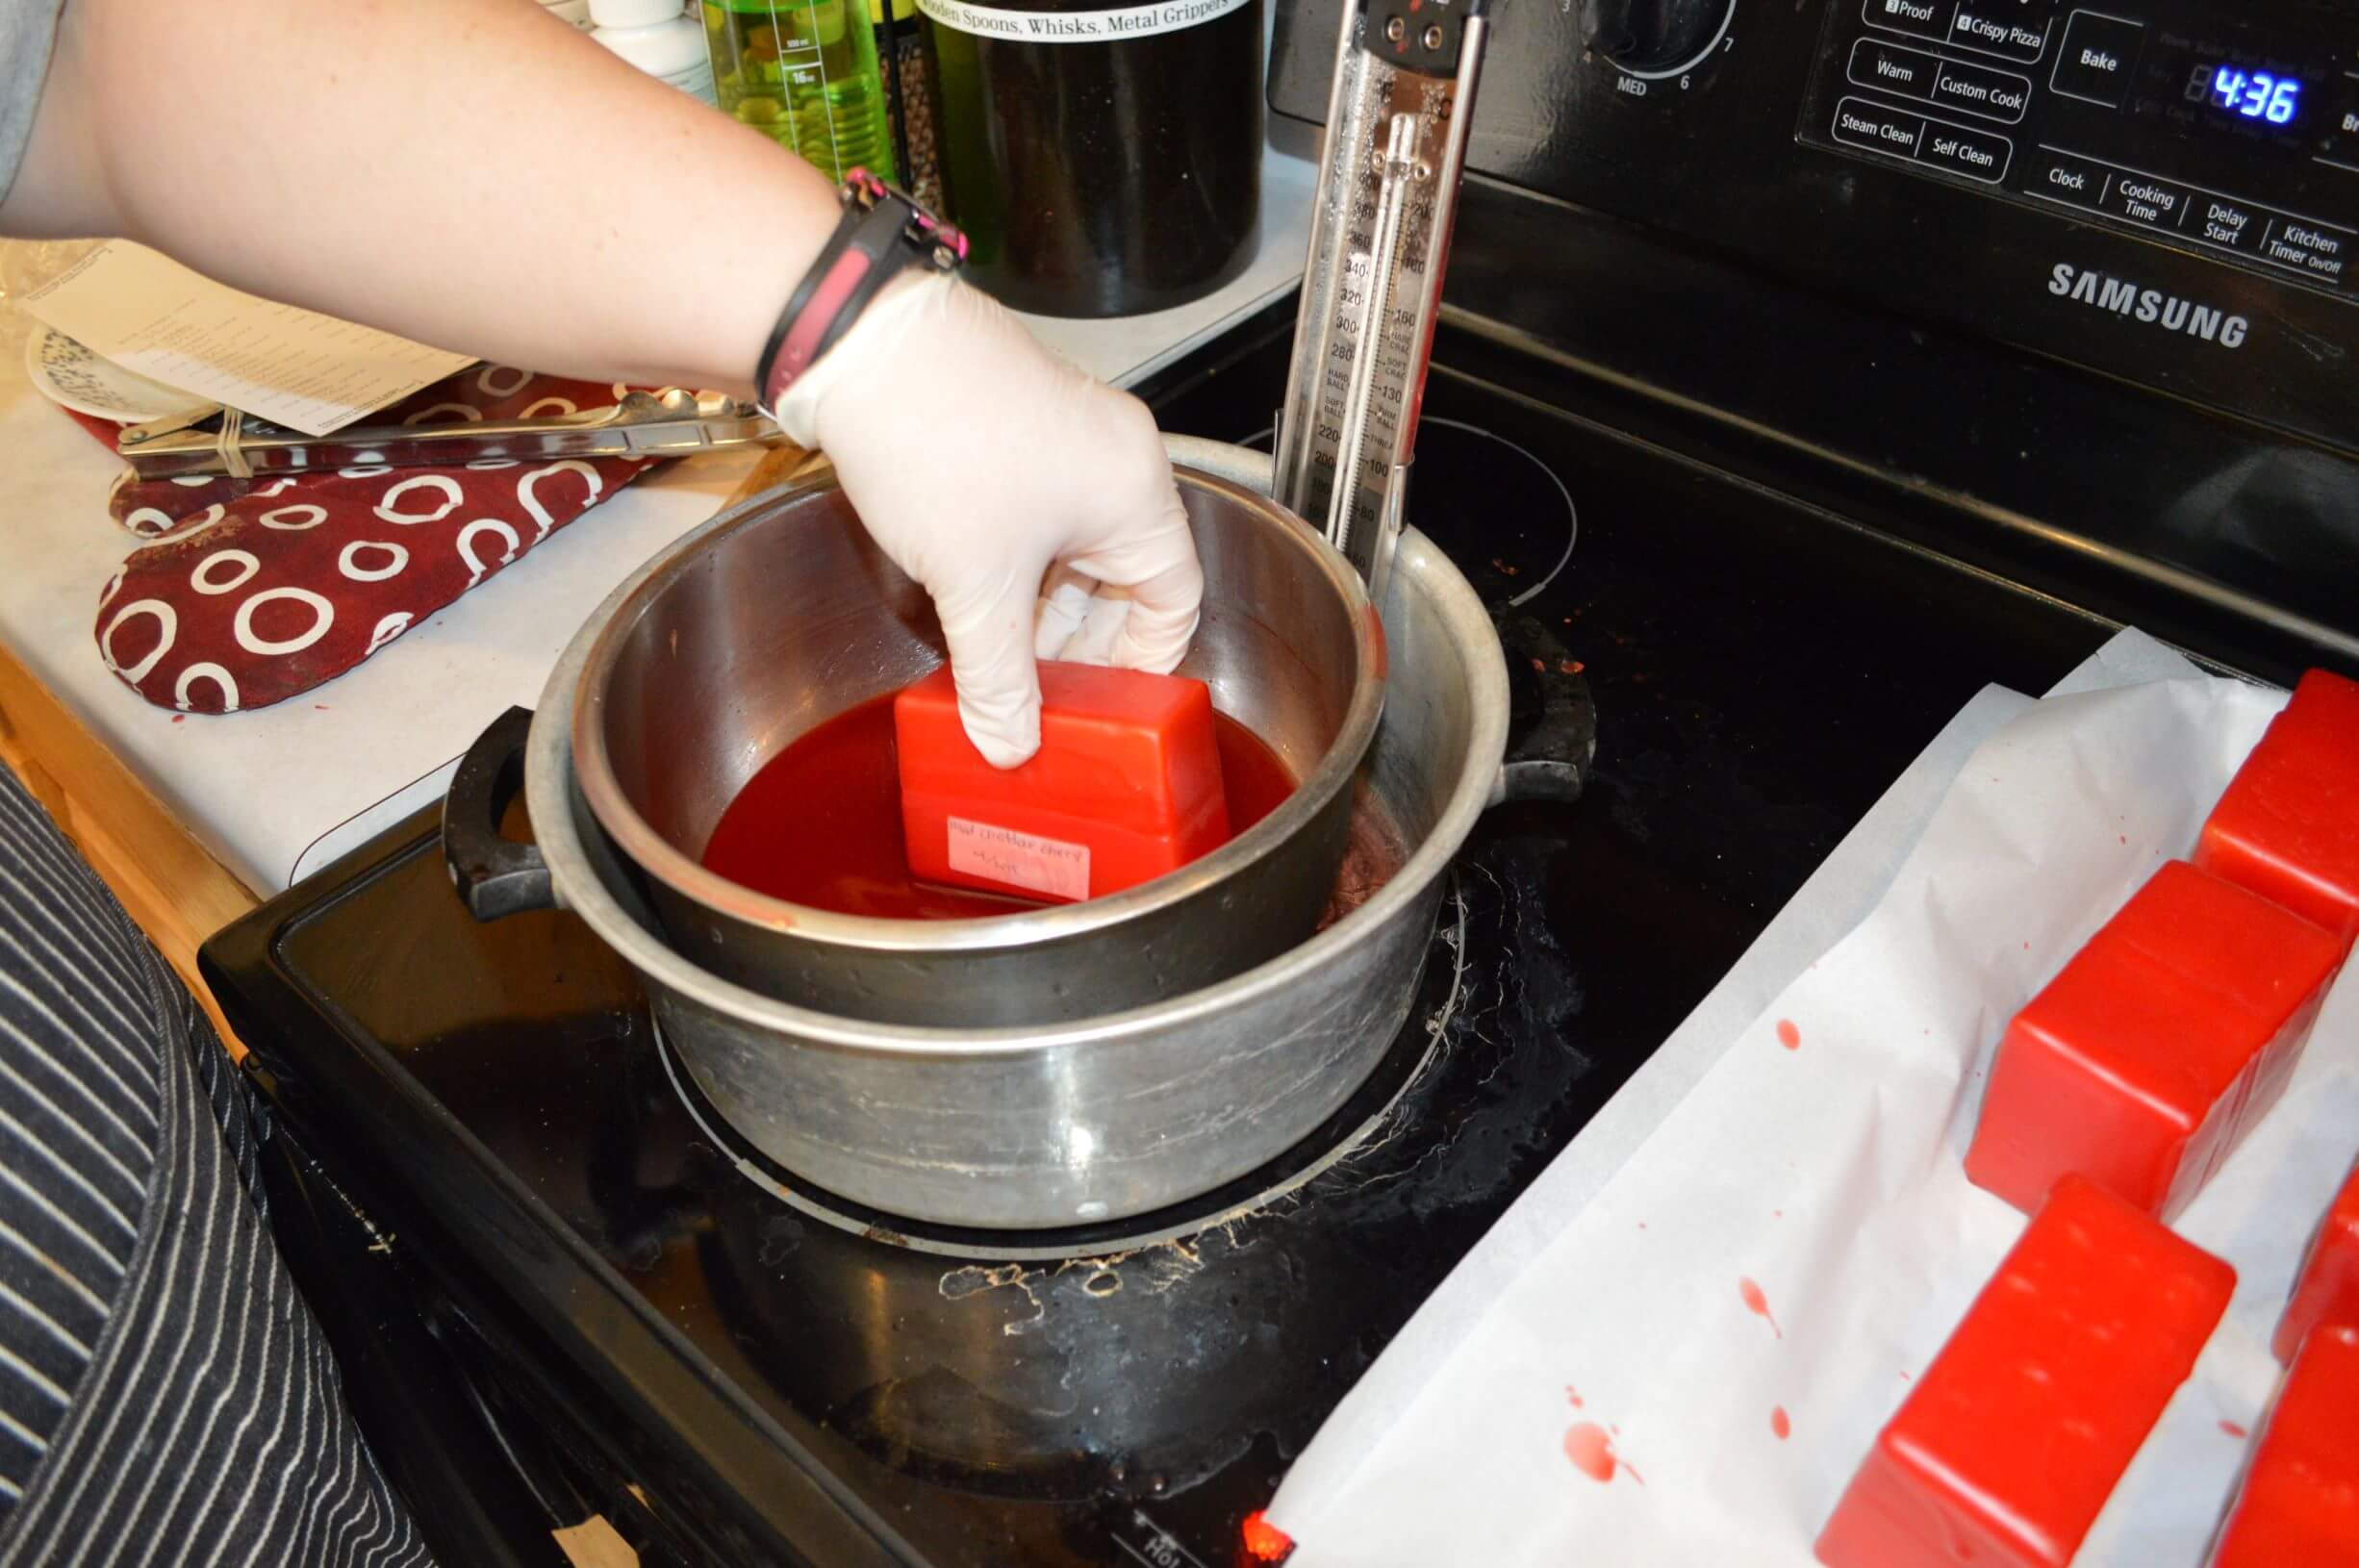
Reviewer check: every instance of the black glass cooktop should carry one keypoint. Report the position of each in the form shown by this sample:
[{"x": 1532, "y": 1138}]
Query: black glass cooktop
[{"x": 733, "y": 1378}]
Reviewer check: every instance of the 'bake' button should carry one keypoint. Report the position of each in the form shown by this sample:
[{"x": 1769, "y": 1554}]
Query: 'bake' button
[
  {"x": 1862, "y": 124},
  {"x": 2002, "y": 95},
  {"x": 2095, "y": 59},
  {"x": 2156, "y": 204},
  {"x": 1981, "y": 24},
  {"x": 1927, "y": 18},
  {"x": 1887, "y": 67},
  {"x": 1976, "y": 154},
  {"x": 2061, "y": 177},
  {"x": 2224, "y": 222}
]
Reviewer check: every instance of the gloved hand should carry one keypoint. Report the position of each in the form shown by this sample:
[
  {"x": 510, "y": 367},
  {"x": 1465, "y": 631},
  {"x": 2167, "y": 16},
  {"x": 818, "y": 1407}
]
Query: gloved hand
[{"x": 978, "y": 462}]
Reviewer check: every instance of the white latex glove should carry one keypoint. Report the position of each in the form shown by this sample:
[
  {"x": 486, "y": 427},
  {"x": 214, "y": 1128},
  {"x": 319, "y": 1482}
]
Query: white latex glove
[{"x": 977, "y": 461}]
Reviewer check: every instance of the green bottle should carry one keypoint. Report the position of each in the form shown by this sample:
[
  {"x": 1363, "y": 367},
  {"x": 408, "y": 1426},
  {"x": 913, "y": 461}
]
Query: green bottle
[{"x": 803, "y": 73}]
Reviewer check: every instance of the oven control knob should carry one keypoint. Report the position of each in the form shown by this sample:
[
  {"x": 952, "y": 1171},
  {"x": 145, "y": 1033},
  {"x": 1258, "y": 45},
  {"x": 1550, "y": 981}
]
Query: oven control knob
[{"x": 1651, "y": 39}]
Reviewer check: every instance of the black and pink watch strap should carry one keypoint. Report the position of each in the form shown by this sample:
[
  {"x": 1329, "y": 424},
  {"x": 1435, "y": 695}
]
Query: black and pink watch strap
[{"x": 882, "y": 233}]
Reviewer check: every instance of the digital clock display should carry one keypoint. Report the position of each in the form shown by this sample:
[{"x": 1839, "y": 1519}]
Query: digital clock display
[{"x": 2250, "y": 96}]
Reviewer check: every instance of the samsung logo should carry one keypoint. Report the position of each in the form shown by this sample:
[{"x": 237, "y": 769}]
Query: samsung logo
[{"x": 2148, "y": 305}]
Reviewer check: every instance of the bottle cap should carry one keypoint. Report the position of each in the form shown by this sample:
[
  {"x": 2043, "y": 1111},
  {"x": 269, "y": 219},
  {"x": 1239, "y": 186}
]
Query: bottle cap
[{"x": 634, "y": 12}]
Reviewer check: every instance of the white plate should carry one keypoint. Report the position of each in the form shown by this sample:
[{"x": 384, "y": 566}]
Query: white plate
[{"x": 74, "y": 377}]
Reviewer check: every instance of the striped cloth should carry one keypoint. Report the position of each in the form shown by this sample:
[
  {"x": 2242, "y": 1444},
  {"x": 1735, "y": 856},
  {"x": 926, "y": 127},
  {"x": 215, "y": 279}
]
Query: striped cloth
[{"x": 165, "y": 1394}]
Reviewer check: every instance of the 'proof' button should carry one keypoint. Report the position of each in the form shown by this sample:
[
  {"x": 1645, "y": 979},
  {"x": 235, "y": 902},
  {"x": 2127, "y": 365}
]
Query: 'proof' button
[
  {"x": 1976, "y": 154},
  {"x": 1923, "y": 18}
]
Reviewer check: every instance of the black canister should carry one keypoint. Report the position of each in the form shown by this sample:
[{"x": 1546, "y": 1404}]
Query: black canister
[{"x": 1103, "y": 161}]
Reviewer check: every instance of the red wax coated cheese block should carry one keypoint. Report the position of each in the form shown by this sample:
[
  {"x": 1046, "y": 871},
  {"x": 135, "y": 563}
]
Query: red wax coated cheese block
[
  {"x": 2288, "y": 828},
  {"x": 1126, "y": 786},
  {"x": 2145, "y": 1061},
  {"x": 2011, "y": 1441},
  {"x": 2327, "y": 1288},
  {"x": 2299, "y": 1504}
]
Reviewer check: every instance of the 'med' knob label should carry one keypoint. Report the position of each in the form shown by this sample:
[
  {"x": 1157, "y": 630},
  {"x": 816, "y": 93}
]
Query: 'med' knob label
[{"x": 2149, "y": 306}]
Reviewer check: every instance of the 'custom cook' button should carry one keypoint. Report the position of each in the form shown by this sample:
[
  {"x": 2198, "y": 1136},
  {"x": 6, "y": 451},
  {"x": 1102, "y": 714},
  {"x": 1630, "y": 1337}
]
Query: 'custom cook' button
[
  {"x": 1976, "y": 154},
  {"x": 1892, "y": 131},
  {"x": 2002, "y": 95}
]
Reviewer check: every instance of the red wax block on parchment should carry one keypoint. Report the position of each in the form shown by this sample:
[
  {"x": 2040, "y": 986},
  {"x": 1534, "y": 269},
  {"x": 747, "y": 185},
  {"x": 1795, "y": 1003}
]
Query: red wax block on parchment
[
  {"x": 2141, "y": 1065},
  {"x": 2297, "y": 1506},
  {"x": 2011, "y": 1441},
  {"x": 2288, "y": 826},
  {"x": 2327, "y": 1290},
  {"x": 1126, "y": 786}
]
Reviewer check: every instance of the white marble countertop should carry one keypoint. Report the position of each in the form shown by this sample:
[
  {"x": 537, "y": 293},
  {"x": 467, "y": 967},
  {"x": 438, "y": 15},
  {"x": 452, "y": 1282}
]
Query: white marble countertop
[{"x": 278, "y": 792}]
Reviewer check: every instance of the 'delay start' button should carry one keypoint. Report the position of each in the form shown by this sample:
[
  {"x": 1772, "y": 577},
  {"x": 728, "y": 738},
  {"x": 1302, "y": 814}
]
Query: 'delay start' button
[
  {"x": 2002, "y": 95},
  {"x": 2061, "y": 177},
  {"x": 2225, "y": 222},
  {"x": 1922, "y": 19},
  {"x": 2156, "y": 204},
  {"x": 1976, "y": 154},
  {"x": 1994, "y": 27},
  {"x": 1892, "y": 131},
  {"x": 2095, "y": 59}
]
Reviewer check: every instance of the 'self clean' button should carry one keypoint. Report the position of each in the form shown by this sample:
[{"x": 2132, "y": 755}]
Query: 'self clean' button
[{"x": 1976, "y": 154}]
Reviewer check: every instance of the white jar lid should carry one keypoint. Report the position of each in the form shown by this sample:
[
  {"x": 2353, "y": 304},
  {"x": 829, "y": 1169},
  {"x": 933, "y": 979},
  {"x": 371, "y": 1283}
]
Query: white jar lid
[{"x": 634, "y": 12}]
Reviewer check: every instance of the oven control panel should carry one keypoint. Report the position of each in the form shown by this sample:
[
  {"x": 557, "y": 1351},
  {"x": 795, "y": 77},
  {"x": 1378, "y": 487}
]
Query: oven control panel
[
  {"x": 2165, "y": 191},
  {"x": 2224, "y": 135}
]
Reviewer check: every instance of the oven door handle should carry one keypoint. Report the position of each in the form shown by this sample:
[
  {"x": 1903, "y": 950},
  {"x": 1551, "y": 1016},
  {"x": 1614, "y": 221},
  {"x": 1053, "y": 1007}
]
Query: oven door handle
[{"x": 497, "y": 875}]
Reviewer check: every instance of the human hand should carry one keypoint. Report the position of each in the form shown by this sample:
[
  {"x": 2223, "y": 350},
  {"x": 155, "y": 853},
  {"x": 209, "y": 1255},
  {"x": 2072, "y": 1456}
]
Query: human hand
[{"x": 979, "y": 462}]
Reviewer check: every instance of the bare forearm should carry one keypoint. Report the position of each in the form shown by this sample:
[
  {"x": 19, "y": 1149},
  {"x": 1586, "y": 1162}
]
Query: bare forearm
[{"x": 468, "y": 173}]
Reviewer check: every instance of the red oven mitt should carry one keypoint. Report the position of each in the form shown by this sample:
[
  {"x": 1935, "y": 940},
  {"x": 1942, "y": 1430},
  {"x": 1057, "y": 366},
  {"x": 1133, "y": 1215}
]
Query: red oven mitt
[{"x": 257, "y": 591}]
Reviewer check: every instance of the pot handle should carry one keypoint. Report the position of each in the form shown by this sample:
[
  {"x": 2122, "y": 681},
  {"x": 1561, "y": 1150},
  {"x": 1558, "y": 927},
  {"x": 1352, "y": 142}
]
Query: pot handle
[
  {"x": 1552, "y": 722},
  {"x": 496, "y": 876}
]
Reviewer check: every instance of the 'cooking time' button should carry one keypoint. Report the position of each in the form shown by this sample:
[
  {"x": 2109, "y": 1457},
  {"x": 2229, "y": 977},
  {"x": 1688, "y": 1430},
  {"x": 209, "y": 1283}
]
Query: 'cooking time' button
[
  {"x": 1975, "y": 154},
  {"x": 2157, "y": 204},
  {"x": 1892, "y": 131},
  {"x": 1991, "y": 26},
  {"x": 1924, "y": 18}
]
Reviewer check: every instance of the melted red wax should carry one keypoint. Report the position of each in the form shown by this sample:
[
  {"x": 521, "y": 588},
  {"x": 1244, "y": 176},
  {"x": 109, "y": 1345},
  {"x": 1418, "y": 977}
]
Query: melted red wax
[
  {"x": 2233, "y": 1430},
  {"x": 1757, "y": 1304},
  {"x": 1788, "y": 1035},
  {"x": 821, "y": 823},
  {"x": 1572, "y": 1396},
  {"x": 1779, "y": 1423}
]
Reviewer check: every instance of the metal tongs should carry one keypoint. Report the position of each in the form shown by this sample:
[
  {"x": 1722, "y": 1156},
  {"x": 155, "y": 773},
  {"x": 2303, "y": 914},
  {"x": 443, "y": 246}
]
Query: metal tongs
[
  {"x": 1396, "y": 149},
  {"x": 222, "y": 442}
]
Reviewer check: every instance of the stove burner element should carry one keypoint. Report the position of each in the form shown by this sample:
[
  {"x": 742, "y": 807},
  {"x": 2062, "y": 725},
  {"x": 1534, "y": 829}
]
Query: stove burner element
[{"x": 1440, "y": 990}]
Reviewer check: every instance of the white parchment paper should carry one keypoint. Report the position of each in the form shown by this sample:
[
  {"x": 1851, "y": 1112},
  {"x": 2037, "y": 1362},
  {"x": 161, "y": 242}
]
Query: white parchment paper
[{"x": 1821, "y": 1182}]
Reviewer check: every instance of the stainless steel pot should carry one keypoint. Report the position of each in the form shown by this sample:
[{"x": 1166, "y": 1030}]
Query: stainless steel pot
[
  {"x": 777, "y": 616},
  {"x": 1083, "y": 1119}
]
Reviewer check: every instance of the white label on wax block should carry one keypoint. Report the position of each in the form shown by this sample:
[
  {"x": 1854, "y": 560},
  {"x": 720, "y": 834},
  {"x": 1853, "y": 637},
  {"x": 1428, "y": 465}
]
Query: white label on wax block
[
  {"x": 1048, "y": 866},
  {"x": 1076, "y": 26}
]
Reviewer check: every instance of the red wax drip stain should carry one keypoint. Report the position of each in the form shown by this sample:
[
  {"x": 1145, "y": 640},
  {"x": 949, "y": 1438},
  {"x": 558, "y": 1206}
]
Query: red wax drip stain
[
  {"x": 1788, "y": 1035},
  {"x": 180, "y": 718},
  {"x": 2125, "y": 838},
  {"x": 1574, "y": 1397},
  {"x": 1757, "y": 1304},
  {"x": 2233, "y": 1430},
  {"x": 1779, "y": 1423},
  {"x": 1591, "y": 1451}
]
